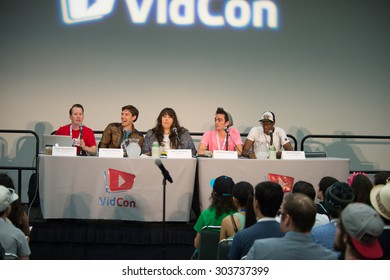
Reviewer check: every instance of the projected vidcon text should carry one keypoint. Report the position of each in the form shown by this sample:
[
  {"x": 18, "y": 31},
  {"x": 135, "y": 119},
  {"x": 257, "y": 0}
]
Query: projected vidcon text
[{"x": 211, "y": 13}]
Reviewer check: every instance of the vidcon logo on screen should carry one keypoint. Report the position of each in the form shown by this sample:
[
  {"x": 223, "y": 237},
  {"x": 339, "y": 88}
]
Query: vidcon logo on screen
[
  {"x": 258, "y": 14},
  {"x": 118, "y": 181},
  {"x": 74, "y": 11}
]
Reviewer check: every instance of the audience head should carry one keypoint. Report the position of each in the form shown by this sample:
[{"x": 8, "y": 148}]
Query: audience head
[
  {"x": 337, "y": 197},
  {"x": 305, "y": 188},
  {"x": 381, "y": 178},
  {"x": 268, "y": 198},
  {"x": 5, "y": 180},
  {"x": 243, "y": 198},
  {"x": 7, "y": 197},
  {"x": 380, "y": 200},
  {"x": 221, "y": 197},
  {"x": 298, "y": 213},
  {"x": 324, "y": 184},
  {"x": 361, "y": 186},
  {"x": 358, "y": 231}
]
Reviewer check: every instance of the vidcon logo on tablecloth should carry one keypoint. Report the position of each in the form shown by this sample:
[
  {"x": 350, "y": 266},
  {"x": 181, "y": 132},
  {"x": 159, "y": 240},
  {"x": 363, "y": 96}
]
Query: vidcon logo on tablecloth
[{"x": 117, "y": 182}]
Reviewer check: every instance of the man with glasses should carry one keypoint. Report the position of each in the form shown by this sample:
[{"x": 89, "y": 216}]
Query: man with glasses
[
  {"x": 297, "y": 217},
  {"x": 261, "y": 137}
]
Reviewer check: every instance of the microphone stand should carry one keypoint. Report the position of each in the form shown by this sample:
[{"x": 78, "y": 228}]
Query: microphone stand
[{"x": 164, "y": 245}]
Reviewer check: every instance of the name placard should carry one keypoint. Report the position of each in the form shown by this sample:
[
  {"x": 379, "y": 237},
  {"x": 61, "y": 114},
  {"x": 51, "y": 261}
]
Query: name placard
[
  {"x": 184, "y": 153},
  {"x": 64, "y": 151},
  {"x": 293, "y": 155},
  {"x": 110, "y": 153},
  {"x": 225, "y": 154}
]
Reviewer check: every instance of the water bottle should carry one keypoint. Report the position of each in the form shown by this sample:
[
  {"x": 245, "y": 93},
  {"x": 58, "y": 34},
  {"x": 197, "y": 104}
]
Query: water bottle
[
  {"x": 272, "y": 152},
  {"x": 155, "y": 149}
]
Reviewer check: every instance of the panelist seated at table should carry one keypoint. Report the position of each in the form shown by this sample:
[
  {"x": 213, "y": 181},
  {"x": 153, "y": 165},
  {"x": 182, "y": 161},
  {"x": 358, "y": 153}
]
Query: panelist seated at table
[
  {"x": 83, "y": 137},
  {"x": 168, "y": 133},
  {"x": 261, "y": 137},
  {"x": 223, "y": 137},
  {"x": 115, "y": 135}
]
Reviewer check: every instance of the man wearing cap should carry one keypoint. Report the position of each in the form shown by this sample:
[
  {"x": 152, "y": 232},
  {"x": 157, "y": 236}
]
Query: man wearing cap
[
  {"x": 223, "y": 137},
  {"x": 12, "y": 239},
  {"x": 298, "y": 214},
  {"x": 261, "y": 137},
  {"x": 358, "y": 231},
  {"x": 336, "y": 198}
]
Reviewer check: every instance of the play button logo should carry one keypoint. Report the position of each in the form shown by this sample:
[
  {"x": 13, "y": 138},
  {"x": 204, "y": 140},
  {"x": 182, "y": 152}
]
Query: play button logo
[{"x": 118, "y": 181}]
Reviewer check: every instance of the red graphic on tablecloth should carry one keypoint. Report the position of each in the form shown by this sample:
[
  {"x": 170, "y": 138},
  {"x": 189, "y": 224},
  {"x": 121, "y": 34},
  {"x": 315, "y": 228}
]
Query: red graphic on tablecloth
[
  {"x": 286, "y": 182},
  {"x": 118, "y": 181}
]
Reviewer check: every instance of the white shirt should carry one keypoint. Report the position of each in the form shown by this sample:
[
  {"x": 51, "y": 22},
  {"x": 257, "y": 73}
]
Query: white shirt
[{"x": 261, "y": 141}]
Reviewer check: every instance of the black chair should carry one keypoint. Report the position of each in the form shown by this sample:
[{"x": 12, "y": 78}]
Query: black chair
[
  {"x": 224, "y": 248},
  {"x": 209, "y": 239}
]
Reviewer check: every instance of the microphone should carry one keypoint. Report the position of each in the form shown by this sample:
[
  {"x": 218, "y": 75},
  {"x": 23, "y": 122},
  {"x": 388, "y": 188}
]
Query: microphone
[
  {"x": 177, "y": 134},
  {"x": 80, "y": 137},
  {"x": 226, "y": 128},
  {"x": 163, "y": 170},
  {"x": 272, "y": 137}
]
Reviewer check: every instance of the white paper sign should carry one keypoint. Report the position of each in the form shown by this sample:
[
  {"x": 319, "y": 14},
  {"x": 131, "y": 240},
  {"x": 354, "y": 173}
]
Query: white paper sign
[
  {"x": 110, "y": 153},
  {"x": 225, "y": 154},
  {"x": 64, "y": 151},
  {"x": 184, "y": 153},
  {"x": 293, "y": 155}
]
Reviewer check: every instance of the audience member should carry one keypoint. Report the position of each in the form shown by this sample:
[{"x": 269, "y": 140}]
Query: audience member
[
  {"x": 245, "y": 215},
  {"x": 380, "y": 200},
  {"x": 18, "y": 217},
  {"x": 323, "y": 185},
  {"x": 12, "y": 239},
  {"x": 115, "y": 135},
  {"x": 168, "y": 133},
  {"x": 221, "y": 206},
  {"x": 337, "y": 197},
  {"x": 381, "y": 178},
  {"x": 259, "y": 138},
  {"x": 83, "y": 137},
  {"x": 298, "y": 214},
  {"x": 223, "y": 137},
  {"x": 357, "y": 232},
  {"x": 361, "y": 186},
  {"x": 308, "y": 189},
  {"x": 268, "y": 198}
]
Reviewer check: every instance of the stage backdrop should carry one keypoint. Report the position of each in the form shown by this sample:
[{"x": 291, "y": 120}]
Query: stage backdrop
[{"x": 321, "y": 66}]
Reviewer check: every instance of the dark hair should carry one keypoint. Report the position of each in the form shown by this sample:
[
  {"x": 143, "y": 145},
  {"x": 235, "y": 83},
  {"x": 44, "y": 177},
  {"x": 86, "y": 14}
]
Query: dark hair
[
  {"x": 337, "y": 197},
  {"x": 159, "y": 131},
  {"x": 305, "y": 188},
  {"x": 325, "y": 183},
  {"x": 75, "y": 106},
  {"x": 269, "y": 195},
  {"x": 134, "y": 111},
  {"x": 380, "y": 178},
  {"x": 243, "y": 192},
  {"x": 222, "y": 204},
  {"x": 301, "y": 209},
  {"x": 362, "y": 186},
  {"x": 221, "y": 111}
]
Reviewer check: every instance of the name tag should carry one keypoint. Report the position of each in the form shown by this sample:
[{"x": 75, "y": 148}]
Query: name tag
[
  {"x": 225, "y": 154},
  {"x": 184, "y": 153},
  {"x": 293, "y": 155},
  {"x": 64, "y": 151},
  {"x": 110, "y": 153}
]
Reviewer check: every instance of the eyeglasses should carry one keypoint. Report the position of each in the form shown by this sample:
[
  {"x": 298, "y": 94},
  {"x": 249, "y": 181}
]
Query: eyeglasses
[{"x": 281, "y": 213}]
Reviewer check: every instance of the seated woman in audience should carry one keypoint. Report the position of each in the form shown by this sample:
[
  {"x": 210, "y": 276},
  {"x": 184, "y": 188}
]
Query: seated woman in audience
[
  {"x": 361, "y": 186},
  {"x": 221, "y": 206},
  {"x": 18, "y": 217},
  {"x": 245, "y": 215},
  {"x": 168, "y": 133},
  {"x": 223, "y": 137}
]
